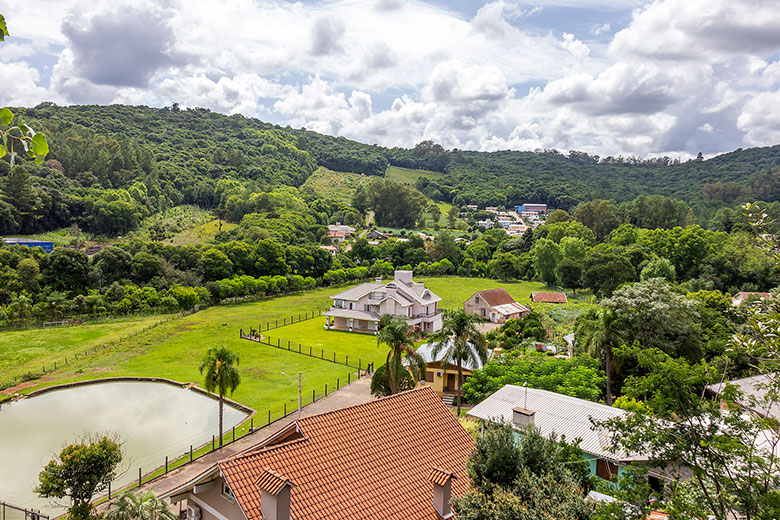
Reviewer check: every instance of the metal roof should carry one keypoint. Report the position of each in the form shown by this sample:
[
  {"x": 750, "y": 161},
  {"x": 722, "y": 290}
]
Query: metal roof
[
  {"x": 555, "y": 413},
  {"x": 755, "y": 386},
  {"x": 510, "y": 308}
]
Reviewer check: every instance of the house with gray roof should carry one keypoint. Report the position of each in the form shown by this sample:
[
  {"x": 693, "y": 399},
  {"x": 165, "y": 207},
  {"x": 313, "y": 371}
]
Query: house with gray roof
[
  {"x": 563, "y": 416},
  {"x": 358, "y": 309}
]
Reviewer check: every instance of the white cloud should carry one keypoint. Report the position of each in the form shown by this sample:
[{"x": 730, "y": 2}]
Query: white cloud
[
  {"x": 681, "y": 76},
  {"x": 760, "y": 119}
]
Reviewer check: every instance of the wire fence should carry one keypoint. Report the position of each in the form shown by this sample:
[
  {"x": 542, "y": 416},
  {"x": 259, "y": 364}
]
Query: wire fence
[
  {"x": 283, "y": 322},
  {"x": 66, "y": 361},
  {"x": 11, "y": 512},
  {"x": 257, "y": 421},
  {"x": 336, "y": 358}
]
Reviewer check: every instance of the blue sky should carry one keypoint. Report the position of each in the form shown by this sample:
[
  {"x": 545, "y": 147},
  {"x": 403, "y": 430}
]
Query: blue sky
[{"x": 609, "y": 77}]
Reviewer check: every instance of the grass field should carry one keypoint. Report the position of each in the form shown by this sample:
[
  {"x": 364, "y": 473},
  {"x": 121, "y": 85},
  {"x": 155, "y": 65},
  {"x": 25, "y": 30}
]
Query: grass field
[
  {"x": 408, "y": 175},
  {"x": 200, "y": 233},
  {"x": 332, "y": 185},
  {"x": 175, "y": 348},
  {"x": 456, "y": 290},
  {"x": 27, "y": 350}
]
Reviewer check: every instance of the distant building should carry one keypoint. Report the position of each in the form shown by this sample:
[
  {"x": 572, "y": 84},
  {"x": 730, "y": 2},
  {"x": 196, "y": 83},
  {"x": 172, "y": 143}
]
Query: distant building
[
  {"x": 330, "y": 249},
  {"x": 359, "y": 309},
  {"x": 347, "y": 230},
  {"x": 741, "y": 297},
  {"x": 472, "y": 207},
  {"x": 487, "y": 223},
  {"x": 539, "y": 208},
  {"x": 375, "y": 235},
  {"x": 29, "y": 242},
  {"x": 495, "y": 305},
  {"x": 753, "y": 386},
  {"x": 491, "y": 209},
  {"x": 548, "y": 297}
]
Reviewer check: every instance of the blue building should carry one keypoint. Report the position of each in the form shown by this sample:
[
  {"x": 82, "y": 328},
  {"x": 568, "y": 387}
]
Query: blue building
[{"x": 29, "y": 242}]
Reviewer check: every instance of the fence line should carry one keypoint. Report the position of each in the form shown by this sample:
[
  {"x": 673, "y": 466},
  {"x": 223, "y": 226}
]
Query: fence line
[
  {"x": 28, "y": 513},
  {"x": 311, "y": 352},
  {"x": 175, "y": 463},
  {"x": 277, "y": 323},
  {"x": 31, "y": 376}
]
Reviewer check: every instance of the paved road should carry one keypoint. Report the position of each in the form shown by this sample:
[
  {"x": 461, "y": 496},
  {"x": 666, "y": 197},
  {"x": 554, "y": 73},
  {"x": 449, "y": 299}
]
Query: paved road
[{"x": 356, "y": 393}]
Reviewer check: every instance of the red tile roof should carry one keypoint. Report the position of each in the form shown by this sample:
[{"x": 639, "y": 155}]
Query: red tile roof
[
  {"x": 440, "y": 476},
  {"x": 371, "y": 460},
  {"x": 271, "y": 482},
  {"x": 549, "y": 297},
  {"x": 495, "y": 297}
]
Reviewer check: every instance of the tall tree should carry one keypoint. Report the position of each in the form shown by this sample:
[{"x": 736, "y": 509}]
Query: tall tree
[
  {"x": 599, "y": 333},
  {"x": 221, "y": 375},
  {"x": 79, "y": 473},
  {"x": 461, "y": 342},
  {"x": 402, "y": 359}
]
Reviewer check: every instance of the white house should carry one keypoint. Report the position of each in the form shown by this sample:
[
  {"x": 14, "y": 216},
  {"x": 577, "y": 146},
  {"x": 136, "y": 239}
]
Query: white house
[{"x": 359, "y": 309}]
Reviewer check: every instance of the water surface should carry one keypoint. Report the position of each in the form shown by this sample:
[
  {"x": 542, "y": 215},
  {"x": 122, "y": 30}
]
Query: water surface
[{"x": 151, "y": 419}]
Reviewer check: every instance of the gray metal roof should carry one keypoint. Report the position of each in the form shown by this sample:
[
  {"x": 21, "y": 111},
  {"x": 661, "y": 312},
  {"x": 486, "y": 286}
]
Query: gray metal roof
[
  {"x": 556, "y": 413},
  {"x": 752, "y": 386},
  {"x": 355, "y": 293}
]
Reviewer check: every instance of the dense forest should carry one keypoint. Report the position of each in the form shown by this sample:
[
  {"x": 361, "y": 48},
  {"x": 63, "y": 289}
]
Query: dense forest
[
  {"x": 112, "y": 169},
  {"x": 111, "y": 166}
]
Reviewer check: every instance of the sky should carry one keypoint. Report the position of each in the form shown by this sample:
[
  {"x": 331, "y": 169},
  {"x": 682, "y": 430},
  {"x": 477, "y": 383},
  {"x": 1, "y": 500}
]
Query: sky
[{"x": 607, "y": 77}]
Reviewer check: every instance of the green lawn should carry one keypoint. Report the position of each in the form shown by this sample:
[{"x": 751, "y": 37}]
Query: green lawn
[
  {"x": 455, "y": 290},
  {"x": 408, "y": 175},
  {"x": 200, "y": 233},
  {"x": 27, "y": 350},
  {"x": 313, "y": 334},
  {"x": 174, "y": 350},
  {"x": 332, "y": 185}
]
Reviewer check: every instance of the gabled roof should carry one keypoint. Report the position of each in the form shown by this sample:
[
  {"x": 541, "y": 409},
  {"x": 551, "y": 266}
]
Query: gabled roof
[
  {"x": 372, "y": 460},
  {"x": 495, "y": 297},
  {"x": 561, "y": 414},
  {"x": 549, "y": 297}
]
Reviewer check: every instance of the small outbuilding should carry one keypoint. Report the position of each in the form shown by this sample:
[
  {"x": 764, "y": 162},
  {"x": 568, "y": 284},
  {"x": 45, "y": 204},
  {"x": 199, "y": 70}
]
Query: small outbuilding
[
  {"x": 548, "y": 297},
  {"x": 496, "y": 305}
]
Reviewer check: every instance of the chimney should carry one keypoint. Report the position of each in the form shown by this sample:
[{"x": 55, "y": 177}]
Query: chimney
[
  {"x": 522, "y": 417},
  {"x": 274, "y": 495},
  {"x": 378, "y": 280},
  {"x": 404, "y": 277},
  {"x": 442, "y": 491}
]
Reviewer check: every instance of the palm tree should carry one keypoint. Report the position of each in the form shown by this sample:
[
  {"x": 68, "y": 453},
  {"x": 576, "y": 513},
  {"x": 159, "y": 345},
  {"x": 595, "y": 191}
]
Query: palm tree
[
  {"x": 143, "y": 506},
  {"x": 20, "y": 307},
  {"x": 461, "y": 342},
  {"x": 401, "y": 356},
  {"x": 221, "y": 375},
  {"x": 599, "y": 335}
]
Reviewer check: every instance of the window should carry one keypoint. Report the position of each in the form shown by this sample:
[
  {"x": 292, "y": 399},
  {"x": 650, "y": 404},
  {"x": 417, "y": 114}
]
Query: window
[
  {"x": 350, "y": 305},
  {"x": 483, "y": 313},
  {"x": 227, "y": 492},
  {"x": 606, "y": 470},
  {"x": 429, "y": 376},
  {"x": 366, "y": 307},
  {"x": 476, "y": 300}
]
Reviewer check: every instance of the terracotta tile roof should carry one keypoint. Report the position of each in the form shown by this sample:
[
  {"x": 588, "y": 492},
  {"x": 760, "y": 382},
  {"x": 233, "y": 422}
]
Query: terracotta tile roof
[
  {"x": 371, "y": 460},
  {"x": 549, "y": 297},
  {"x": 440, "y": 476},
  {"x": 271, "y": 482},
  {"x": 495, "y": 297},
  {"x": 745, "y": 295}
]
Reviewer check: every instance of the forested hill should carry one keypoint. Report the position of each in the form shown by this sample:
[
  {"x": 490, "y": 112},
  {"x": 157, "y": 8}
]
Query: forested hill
[{"x": 194, "y": 156}]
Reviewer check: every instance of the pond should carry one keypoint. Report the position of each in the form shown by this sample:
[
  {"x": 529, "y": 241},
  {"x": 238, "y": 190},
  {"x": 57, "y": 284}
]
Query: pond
[{"x": 151, "y": 419}]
